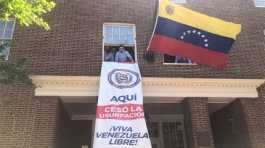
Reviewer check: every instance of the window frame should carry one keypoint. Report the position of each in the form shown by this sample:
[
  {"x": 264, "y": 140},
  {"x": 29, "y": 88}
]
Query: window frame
[
  {"x": 178, "y": 1},
  {"x": 8, "y": 39},
  {"x": 181, "y": 64},
  {"x": 120, "y": 24},
  {"x": 13, "y": 29},
  {"x": 259, "y": 6}
]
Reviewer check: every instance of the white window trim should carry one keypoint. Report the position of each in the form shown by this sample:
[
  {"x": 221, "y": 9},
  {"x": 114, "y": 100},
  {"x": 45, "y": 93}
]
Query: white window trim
[
  {"x": 121, "y": 24},
  {"x": 259, "y": 6},
  {"x": 178, "y": 64},
  {"x": 178, "y": 1}
]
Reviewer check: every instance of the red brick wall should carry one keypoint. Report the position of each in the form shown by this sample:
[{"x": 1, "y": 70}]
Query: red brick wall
[
  {"x": 240, "y": 124},
  {"x": 45, "y": 129},
  {"x": 28, "y": 122},
  {"x": 73, "y": 46},
  {"x": 229, "y": 127},
  {"x": 255, "y": 119},
  {"x": 17, "y": 121},
  {"x": 197, "y": 123}
]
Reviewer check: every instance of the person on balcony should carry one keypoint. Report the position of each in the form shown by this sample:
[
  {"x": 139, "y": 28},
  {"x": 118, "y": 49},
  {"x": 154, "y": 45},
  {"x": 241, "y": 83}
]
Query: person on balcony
[
  {"x": 123, "y": 55},
  {"x": 109, "y": 55}
]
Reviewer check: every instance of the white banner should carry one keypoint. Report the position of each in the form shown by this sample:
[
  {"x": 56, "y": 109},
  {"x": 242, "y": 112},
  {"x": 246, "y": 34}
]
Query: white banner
[{"x": 120, "y": 121}]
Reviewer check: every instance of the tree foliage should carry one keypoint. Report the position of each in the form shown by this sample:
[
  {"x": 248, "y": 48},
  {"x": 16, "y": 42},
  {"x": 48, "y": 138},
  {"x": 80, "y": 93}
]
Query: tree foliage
[
  {"x": 15, "y": 72},
  {"x": 12, "y": 72},
  {"x": 26, "y": 12}
]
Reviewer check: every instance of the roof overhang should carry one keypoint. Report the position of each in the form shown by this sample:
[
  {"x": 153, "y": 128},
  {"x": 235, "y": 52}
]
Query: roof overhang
[{"x": 153, "y": 87}]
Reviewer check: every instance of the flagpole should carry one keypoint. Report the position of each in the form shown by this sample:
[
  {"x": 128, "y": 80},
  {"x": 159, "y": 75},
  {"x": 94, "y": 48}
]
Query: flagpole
[{"x": 154, "y": 26}]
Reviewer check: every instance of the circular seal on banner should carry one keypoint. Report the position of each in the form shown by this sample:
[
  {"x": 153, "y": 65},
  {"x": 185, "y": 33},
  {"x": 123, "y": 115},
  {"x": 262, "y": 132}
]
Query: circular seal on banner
[
  {"x": 169, "y": 9},
  {"x": 123, "y": 78}
]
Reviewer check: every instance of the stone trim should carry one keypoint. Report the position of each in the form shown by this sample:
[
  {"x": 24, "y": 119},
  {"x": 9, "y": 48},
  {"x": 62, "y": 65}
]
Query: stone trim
[{"x": 221, "y": 90}]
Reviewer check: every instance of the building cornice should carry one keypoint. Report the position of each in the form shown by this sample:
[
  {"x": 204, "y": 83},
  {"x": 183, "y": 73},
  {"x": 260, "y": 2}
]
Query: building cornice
[{"x": 82, "y": 86}]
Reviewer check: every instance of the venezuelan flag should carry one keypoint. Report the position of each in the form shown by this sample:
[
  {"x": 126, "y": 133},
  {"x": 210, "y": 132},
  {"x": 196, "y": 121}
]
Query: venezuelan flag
[{"x": 203, "y": 39}]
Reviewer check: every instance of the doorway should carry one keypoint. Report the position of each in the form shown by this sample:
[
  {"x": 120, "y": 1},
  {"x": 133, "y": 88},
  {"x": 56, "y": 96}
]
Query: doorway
[
  {"x": 167, "y": 131},
  {"x": 165, "y": 123}
]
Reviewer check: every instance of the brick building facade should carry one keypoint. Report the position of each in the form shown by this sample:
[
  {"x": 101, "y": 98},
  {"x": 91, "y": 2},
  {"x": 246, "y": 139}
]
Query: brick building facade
[{"x": 207, "y": 108}]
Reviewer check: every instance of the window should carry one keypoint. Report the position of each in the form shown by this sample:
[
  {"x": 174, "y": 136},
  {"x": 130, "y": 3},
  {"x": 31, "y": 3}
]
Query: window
[
  {"x": 178, "y": 1},
  {"x": 119, "y": 42},
  {"x": 168, "y": 59},
  {"x": 259, "y": 3},
  {"x": 6, "y": 35}
]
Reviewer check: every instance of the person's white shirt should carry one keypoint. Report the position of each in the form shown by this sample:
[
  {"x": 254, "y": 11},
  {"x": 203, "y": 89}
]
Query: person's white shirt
[{"x": 123, "y": 56}]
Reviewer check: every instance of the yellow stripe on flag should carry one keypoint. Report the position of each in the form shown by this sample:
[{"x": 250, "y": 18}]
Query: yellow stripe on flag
[{"x": 194, "y": 19}]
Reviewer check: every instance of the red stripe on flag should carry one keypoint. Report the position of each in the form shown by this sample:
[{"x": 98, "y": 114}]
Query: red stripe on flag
[
  {"x": 170, "y": 46},
  {"x": 120, "y": 112}
]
